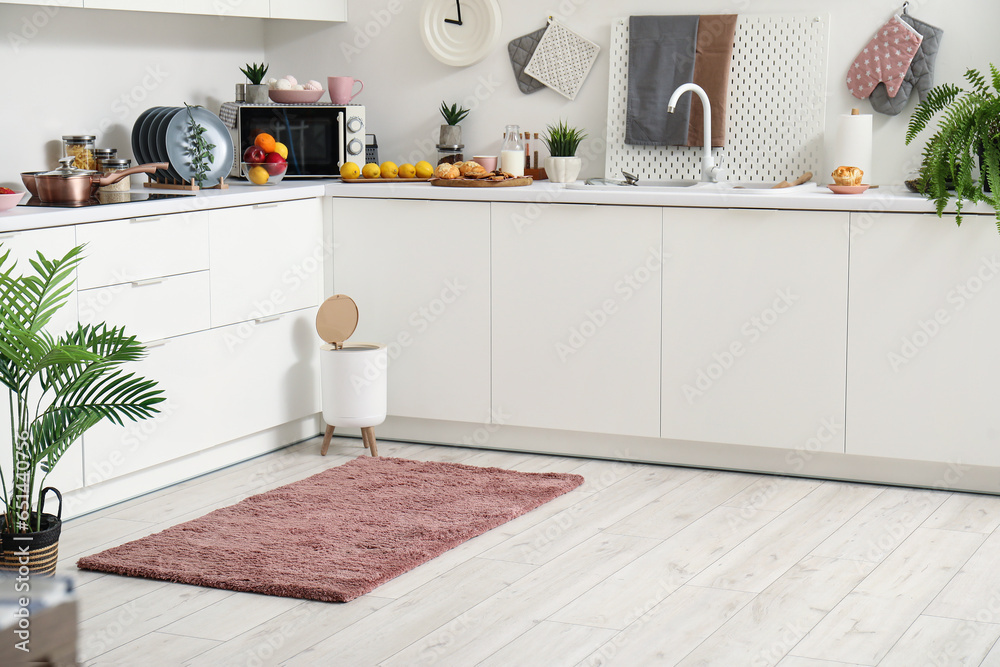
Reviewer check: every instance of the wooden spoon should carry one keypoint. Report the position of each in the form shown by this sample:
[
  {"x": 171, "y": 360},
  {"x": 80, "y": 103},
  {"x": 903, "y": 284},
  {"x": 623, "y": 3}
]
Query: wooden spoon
[{"x": 798, "y": 181}]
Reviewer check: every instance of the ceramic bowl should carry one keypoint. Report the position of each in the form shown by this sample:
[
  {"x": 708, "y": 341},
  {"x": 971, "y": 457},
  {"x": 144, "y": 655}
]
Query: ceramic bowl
[
  {"x": 273, "y": 173},
  {"x": 295, "y": 96},
  {"x": 9, "y": 201},
  {"x": 848, "y": 189}
]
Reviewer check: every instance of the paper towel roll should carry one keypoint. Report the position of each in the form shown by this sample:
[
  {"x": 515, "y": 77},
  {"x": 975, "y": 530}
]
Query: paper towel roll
[
  {"x": 853, "y": 147},
  {"x": 354, "y": 384}
]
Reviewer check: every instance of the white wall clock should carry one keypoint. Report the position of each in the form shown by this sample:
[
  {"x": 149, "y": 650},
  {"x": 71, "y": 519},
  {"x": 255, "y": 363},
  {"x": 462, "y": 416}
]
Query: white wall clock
[{"x": 460, "y": 32}]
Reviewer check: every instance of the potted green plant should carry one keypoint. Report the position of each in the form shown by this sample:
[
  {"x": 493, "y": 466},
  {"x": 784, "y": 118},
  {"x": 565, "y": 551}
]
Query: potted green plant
[
  {"x": 562, "y": 165},
  {"x": 59, "y": 387},
  {"x": 450, "y": 137},
  {"x": 969, "y": 129},
  {"x": 256, "y": 90}
]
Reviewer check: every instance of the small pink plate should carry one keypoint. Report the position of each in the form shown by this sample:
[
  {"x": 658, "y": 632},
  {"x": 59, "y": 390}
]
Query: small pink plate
[{"x": 848, "y": 189}]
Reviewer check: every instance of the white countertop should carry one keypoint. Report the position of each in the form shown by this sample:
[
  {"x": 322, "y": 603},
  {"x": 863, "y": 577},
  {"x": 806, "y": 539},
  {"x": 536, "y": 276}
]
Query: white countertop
[{"x": 818, "y": 198}]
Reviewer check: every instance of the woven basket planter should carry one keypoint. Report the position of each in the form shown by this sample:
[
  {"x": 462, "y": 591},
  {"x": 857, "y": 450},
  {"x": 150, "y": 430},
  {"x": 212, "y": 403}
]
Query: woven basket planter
[{"x": 38, "y": 552}]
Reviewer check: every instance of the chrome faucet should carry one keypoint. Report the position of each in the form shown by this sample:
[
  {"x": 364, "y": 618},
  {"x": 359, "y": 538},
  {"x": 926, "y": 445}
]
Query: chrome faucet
[{"x": 709, "y": 170}]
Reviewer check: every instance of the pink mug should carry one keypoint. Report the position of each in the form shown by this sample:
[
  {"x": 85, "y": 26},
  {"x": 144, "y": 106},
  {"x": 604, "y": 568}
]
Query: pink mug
[{"x": 341, "y": 88}]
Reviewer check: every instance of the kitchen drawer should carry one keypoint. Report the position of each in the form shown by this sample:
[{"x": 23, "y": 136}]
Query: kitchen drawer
[
  {"x": 266, "y": 259},
  {"x": 121, "y": 251},
  {"x": 153, "y": 308}
]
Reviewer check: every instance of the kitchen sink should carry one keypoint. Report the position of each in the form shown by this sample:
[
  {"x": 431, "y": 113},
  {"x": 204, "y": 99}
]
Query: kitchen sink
[
  {"x": 612, "y": 185},
  {"x": 736, "y": 188}
]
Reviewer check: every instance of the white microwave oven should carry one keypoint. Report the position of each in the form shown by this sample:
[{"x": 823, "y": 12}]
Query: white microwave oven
[{"x": 320, "y": 137}]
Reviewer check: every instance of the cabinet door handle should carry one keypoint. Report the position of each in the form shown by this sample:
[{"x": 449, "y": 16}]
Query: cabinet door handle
[
  {"x": 265, "y": 205},
  {"x": 264, "y": 320},
  {"x": 154, "y": 219},
  {"x": 148, "y": 281},
  {"x": 156, "y": 343}
]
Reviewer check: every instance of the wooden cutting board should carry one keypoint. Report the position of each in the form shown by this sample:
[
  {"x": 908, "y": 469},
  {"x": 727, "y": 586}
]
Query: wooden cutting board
[
  {"x": 481, "y": 182},
  {"x": 385, "y": 180}
]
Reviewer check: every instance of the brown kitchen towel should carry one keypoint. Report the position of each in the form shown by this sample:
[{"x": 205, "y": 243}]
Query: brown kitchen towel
[{"x": 712, "y": 64}]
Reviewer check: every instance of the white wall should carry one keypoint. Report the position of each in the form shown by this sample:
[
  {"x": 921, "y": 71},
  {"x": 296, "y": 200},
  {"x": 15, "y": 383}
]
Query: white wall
[
  {"x": 404, "y": 84},
  {"x": 76, "y": 71}
]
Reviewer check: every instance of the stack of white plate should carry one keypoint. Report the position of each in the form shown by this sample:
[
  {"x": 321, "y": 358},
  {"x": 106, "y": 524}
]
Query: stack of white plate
[{"x": 163, "y": 134}]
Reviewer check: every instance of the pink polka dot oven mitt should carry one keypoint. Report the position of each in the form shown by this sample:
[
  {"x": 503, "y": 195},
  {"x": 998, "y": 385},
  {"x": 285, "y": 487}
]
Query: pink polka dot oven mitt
[{"x": 885, "y": 59}]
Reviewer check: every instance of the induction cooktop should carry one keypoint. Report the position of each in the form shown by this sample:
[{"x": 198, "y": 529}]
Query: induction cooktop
[{"x": 105, "y": 198}]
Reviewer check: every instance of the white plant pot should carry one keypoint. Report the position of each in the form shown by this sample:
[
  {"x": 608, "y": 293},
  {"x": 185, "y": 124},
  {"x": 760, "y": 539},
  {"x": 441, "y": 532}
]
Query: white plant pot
[{"x": 563, "y": 169}]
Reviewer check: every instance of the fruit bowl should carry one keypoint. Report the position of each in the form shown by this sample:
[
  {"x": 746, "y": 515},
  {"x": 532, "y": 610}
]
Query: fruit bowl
[
  {"x": 264, "y": 173},
  {"x": 9, "y": 200},
  {"x": 295, "y": 96}
]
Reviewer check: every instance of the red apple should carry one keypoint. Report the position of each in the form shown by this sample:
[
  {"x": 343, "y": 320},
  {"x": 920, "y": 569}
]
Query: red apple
[
  {"x": 279, "y": 164},
  {"x": 254, "y": 155},
  {"x": 275, "y": 158}
]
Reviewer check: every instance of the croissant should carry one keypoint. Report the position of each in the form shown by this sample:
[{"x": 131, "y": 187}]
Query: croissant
[
  {"x": 847, "y": 176},
  {"x": 446, "y": 170},
  {"x": 472, "y": 169}
]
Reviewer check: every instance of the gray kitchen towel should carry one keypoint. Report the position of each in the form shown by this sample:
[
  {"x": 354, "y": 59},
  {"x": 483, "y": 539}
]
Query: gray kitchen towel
[
  {"x": 661, "y": 52},
  {"x": 920, "y": 75}
]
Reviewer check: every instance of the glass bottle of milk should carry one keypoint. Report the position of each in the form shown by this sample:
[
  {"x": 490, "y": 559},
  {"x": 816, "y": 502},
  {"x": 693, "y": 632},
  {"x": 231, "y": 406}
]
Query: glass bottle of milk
[{"x": 512, "y": 151}]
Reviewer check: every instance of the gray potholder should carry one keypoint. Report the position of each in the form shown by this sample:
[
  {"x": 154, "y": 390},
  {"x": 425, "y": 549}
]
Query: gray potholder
[
  {"x": 520, "y": 51},
  {"x": 919, "y": 77}
]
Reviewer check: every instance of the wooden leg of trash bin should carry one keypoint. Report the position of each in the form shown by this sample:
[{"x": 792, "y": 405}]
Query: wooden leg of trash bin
[
  {"x": 326, "y": 440},
  {"x": 368, "y": 433}
]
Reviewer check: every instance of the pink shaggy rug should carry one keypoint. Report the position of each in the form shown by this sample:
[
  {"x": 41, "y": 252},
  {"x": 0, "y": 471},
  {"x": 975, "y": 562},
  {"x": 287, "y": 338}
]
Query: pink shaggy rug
[{"x": 338, "y": 534}]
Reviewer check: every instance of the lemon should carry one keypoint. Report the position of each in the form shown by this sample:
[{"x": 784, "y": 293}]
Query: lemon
[
  {"x": 424, "y": 169},
  {"x": 281, "y": 149},
  {"x": 389, "y": 170},
  {"x": 371, "y": 170},
  {"x": 350, "y": 170},
  {"x": 407, "y": 170},
  {"x": 258, "y": 175}
]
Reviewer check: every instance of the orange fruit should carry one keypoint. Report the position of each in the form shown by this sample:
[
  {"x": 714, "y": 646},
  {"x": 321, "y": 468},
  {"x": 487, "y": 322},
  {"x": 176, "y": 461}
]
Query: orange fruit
[{"x": 265, "y": 141}]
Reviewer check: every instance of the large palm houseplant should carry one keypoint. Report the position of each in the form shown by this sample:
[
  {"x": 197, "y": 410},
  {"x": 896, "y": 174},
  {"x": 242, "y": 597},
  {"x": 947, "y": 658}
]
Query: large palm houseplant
[
  {"x": 969, "y": 129},
  {"x": 58, "y": 388}
]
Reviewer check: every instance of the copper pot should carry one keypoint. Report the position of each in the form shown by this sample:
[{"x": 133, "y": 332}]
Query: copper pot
[{"x": 67, "y": 185}]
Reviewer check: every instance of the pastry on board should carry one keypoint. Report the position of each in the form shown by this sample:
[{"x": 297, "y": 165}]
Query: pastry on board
[{"x": 847, "y": 176}]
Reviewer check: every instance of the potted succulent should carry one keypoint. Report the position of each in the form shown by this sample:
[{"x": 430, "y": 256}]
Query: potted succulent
[
  {"x": 58, "y": 388},
  {"x": 450, "y": 137},
  {"x": 969, "y": 128},
  {"x": 256, "y": 90},
  {"x": 562, "y": 165}
]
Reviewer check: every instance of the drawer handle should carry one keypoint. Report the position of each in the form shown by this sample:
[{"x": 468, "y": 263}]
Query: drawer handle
[
  {"x": 4, "y": 237},
  {"x": 148, "y": 281},
  {"x": 154, "y": 219},
  {"x": 156, "y": 343},
  {"x": 265, "y": 205},
  {"x": 264, "y": 320}
]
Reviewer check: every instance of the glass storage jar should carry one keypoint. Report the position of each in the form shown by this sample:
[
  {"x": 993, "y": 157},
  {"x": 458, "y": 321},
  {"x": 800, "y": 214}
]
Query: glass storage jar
[
  {"x": 81, "y": 147},
  {"x": 110, "y": 166},
  {"x": 102, "y": 154}
]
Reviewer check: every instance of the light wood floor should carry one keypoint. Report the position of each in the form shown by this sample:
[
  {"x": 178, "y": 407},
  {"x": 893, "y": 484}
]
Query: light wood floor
[{"x": 643, "y": 565}]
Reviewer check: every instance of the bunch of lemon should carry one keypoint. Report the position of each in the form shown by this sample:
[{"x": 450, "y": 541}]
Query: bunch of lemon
[{"x": 422, "y": 169}]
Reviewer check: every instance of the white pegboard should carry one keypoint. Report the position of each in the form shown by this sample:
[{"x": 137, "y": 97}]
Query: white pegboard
[{"x": 776, "y": 112}]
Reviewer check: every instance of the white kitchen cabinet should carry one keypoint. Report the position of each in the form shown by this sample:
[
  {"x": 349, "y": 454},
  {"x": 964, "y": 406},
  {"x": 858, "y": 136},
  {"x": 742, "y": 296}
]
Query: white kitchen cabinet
[
  {"x": 49, "y": 3},
  {"x": 220, "y": 385},
  {"x": 247, "y": 8},
  {"x": 755, "y": 327},
  {"x": 53, "y": 243},
  {"x": 313, "y": 10},
  {"x": 151, "y": 309},
  {"x": 923, "y": 361},
  {"x": 266, "y": 259},
  {"x": 576, "y": 317},
  {"x": 420, "y": 274},
  {"x": 137, "y": 249}
]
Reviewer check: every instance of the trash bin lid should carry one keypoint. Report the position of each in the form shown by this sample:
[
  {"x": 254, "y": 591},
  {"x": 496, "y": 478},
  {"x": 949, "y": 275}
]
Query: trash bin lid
[{"x": 337, "y": 319}]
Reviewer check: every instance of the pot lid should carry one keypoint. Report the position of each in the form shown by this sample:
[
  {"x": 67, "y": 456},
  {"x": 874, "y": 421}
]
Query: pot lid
[
  {"x": 66, "y": 169},
  {"x": 337, "y": 319}
]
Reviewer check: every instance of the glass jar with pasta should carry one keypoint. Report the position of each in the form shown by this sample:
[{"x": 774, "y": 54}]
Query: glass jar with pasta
[{"x": 81, "y": 147}]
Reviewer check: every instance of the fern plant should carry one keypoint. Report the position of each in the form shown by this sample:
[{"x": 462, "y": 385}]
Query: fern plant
[
  {"x": 58, "y": 387},
  {"x": 969, "y": 128}
]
